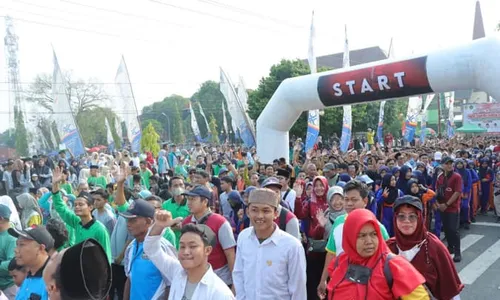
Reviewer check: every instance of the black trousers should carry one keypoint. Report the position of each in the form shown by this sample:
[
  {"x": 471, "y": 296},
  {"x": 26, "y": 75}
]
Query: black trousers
[
  {"x": 451, "y": 223},
  {"x": 118, "y": 283},
  {"x": 314, "y": 269}
]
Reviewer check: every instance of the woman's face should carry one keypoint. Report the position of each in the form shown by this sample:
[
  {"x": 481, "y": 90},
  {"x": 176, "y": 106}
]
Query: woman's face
[
  {"x": 309, "y": 190},
  {"x": 367, "y": 241},
  {"x": 393, "y": 182},
  {"x": 414, "y": 188},
  {"x": 337, "y": 202},
  {"x": 408, "y": 174},
  {"x": 406, "y": 220},
  {"x": 319, "y": 188}
]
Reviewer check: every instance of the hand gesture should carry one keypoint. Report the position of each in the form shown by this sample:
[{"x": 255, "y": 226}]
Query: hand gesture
[
  {"x": 386, "y": 192},
  {"x": 123, "y": 174},
  {"x": 297, "y": 187},
  {"x": 57, "y": 175},
  {"x": 320, "y": 216},
  {"x": 309, "y": 154},
  {"x": 163, "y": 219},
  {"x": 241, "y": 213}
]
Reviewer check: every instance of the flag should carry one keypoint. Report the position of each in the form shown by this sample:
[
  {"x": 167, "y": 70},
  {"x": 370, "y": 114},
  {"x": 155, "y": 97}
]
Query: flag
[
  {"x": 129, "y": 115},
  {"x": 224, "y": 120},
  {"x": 202, "y": 113},
  {"x": 313, "y": 115},
  {"x": 109, "y": 136},
  {"x": 423, "y": 121},
  {"x": 118, "y": 128},
  {"x": 345, "y": 138},
  {"x": 414, "y": 105},
  {"x": 194, "y": 124},
  {"x": 235, "y": 108},
  {"x": 66, "y": 125},
  {"x": 450, "y": 99}
]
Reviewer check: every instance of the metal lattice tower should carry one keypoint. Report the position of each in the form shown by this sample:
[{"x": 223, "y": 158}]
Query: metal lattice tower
[{"x": 11, "y": 48}]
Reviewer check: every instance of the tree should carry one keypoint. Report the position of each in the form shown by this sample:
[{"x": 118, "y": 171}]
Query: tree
[
  {"x": 8, "y": 138},
  {"x": 213, "y": 130},
  {"x": 21, "y": 133},
  {"x": 210, "y": 98},
  {"x": 150, "y": 140},
  {"x": 91, "y": 123},
  {"x": 177, "y": 134},
  {"x": 156, "y": 124}
]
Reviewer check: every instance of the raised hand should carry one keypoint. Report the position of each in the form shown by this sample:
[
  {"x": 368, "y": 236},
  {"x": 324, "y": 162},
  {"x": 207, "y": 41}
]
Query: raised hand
[
  {"x": 163, "y": 219},
  {"x": 57, "y": 175},
  {"x": 297, "y": 187},
  {"x": 123, "y": 174},
  {"x": 320, "y": 216}
]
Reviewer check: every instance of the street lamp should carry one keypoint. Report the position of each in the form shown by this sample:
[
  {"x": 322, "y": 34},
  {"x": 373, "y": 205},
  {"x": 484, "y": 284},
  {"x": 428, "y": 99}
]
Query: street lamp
[{"x": 168, "y": 125}]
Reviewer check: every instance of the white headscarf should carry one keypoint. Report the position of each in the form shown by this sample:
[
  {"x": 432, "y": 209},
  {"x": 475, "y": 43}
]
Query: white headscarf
[
  {"x": 14, "y": 216},
  {"x": 29, "y": 207}
]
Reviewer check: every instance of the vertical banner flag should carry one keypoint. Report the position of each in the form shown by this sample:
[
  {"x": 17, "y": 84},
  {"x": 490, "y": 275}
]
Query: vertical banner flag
[
  {"x": 414, "y": 106},
  {"x": 194, "y": 124},
  {"x": 202, "y": 113},
  {"x": 118, "y": 128},
  {"x": 235, "y": 108},
  {"x": 380, "y": 127},
  {"x": 53, "y": 139},
  {"x": 423, "y": 120},
  {"x": 130, "y": 116},
  {"x": 243, "y": 97},
  {"x": 109, "y": 136},
  {"x": 224, "y": 120},
  {"x": 451, "y": 114},
  {"x": 345, "y": 138},
  {"x": 63, "y": 115},
  {"x": 313, "y": 115}
]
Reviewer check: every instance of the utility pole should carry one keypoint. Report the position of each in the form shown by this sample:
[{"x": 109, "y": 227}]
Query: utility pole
[{"x": 439, "y": 114}]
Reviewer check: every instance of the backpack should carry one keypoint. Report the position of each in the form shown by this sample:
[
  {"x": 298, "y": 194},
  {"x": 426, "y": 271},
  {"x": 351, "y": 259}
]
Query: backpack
[
  {"x": 388, "y": 274},
  {"x": 282, "y": 217}
]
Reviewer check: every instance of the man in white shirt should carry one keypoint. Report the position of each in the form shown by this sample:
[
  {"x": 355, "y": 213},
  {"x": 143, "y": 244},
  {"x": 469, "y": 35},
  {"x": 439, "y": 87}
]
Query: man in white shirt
[
  {"x": 270, "y": 263},
  {"x": 191, "y": 276},
  {"x": 288, "y": 195}
]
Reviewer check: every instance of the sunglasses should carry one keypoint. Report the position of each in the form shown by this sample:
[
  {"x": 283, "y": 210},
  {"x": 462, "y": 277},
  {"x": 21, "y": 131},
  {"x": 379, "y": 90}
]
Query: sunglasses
[{"x": 411, "y": 217}]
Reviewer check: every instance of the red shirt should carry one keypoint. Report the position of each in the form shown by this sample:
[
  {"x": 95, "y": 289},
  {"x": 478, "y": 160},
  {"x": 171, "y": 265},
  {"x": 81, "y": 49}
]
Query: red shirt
[{"x": 454, "y": 185}]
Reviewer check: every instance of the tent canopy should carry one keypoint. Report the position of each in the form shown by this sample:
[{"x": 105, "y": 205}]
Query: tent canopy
[{"x": 471, "y": 128}]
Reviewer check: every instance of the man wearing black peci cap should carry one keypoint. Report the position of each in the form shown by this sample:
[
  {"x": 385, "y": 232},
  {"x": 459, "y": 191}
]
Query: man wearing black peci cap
[
  {"x": 33, "y": 245},
  {"x": 223, "y": 254},
  {"x": 79, "y": 272},
  {"x": 144, "y": 280},
  {"x": 448, "y": 195}
]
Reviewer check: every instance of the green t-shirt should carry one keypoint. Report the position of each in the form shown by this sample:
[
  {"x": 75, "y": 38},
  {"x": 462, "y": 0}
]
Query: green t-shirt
[
  {"x": 67, "y": 188},
  {"x": 334, "y": 244},
  {"x": 97, "y": 181},
  {"x": 94, "y": 229},
  {"x": 7, "y": 246},
  {"x": 145, "y": 175},
  {"x": 177, "y": 211}
]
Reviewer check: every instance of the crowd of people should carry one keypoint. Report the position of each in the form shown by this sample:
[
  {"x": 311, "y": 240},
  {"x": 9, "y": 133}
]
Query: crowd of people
[{"x": 213, "y": 222}]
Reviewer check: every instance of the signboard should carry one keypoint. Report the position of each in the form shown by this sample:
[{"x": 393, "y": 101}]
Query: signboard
[{"x": 484, "y": 115}]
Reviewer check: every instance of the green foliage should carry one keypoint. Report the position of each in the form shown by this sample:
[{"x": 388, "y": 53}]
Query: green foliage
[
  {"x": 92, "y": 125},
  {"x": 8, "y": 138},
  {"x": 150, "y": 140},
  {"x": 210, "y": 98},
  {"x": 213, "y": 129},
  {"x": 156, "y": 124},
  {"x": 21, "y": 133},
  {"x": 168, "y": 113},
  {"x": 114, "y": 133}
]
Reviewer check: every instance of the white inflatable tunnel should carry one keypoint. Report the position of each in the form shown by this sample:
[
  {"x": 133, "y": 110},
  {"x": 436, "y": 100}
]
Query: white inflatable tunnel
[{"x": 475, "y": 65}]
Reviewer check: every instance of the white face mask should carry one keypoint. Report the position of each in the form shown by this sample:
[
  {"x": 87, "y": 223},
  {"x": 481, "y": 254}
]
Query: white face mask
[
  {"x": 410, "y": 254},
  {"x": 177, "y": 191}
]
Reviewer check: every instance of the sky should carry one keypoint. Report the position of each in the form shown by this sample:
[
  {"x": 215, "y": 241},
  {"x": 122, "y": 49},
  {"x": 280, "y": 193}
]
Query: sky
[{"x": 172, "y": 46}]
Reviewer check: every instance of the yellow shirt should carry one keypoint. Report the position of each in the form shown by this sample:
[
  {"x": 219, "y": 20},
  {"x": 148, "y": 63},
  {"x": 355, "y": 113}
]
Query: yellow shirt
[
  {"x": 369, "y": 137},
  {"x": 420, "y": 293},
  {"x": 35, "y": 220}
]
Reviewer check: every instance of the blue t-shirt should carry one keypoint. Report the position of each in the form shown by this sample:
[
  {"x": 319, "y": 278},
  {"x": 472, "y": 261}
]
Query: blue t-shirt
[
  {"x": 33, "y": 285},
  {"x": 146, "y": 279}
]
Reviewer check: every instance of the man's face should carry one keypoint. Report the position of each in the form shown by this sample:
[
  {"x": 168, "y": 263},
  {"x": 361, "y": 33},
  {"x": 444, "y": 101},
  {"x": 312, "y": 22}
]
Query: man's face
[
  {"x": 262, "y": 216},
  {"x": 353, "y": 200},
  {"x": 195, "y": 204},
  {"x": 425, "y": 159},
  {"x": 143, "y": 166},
  {"x": 18, "y": 276},
  {"x": 27, "y": 251},
  {"x": 224, "y": 186},
  {"x": 82, "y": 208},
  {"x": 138, "y": 226},
  {"x": 448, "y": 167},
  {"x": 192, "y": 251},
  {"x": 93, "y": 172},
  {"x": 177, "y": 183},
  {"x": 99, "y": 201}
]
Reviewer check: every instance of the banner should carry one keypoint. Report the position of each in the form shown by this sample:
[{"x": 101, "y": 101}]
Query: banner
[
  {"x": 129, "y": 114},
  {"x": 243, "y": 98},
  {"x": 202, "y": 113},
  {"x": 484, "y": 115},
  {"x": 224, "y": 120},
  {"x": 243, "y": 127},
  {"x": 423, "y": 120},
  {"x": 118, "y": 128},
  {"x": 414, "y": 106},
  {"x": 450, "y": 99},
  {"x": 345, "y": 138},
  {"x": 63, "y": 115},
  {"x": 109, "y": 136},
  {"x": 380, "y": 127},
  {"x": 194, "y": 124},
  {"x": 313, "y": 115}
]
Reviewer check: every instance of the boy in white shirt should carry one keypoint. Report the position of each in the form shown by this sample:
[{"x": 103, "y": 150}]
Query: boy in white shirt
[{"x": 270, "y": 263}]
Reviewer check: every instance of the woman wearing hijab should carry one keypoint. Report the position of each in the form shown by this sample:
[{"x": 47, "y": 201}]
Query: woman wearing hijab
[
  {"x": 424, "y": 250},
  {"x": 30, "y": 211},
  {"x": 486, "y": 177},
  {"x": 474, "y": 197},
  {"x": 404, "y": 175},
  {"x": 14, "y": 215},
  {"x": 385, "y": 197},
  {"x": 309, "y": 211},
  {"x": 367, "y": 269},
  {"x": 466, "y": 189}
]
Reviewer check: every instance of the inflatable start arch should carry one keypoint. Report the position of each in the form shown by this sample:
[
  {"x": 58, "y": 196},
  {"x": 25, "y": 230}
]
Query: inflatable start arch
[{"x": 475, "y": 65}]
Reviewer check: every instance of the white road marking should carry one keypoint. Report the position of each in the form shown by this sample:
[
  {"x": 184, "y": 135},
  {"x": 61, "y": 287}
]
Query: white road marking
[
  {"x": 469, "y": 240},
  {"x": 478, "y": 266},
  {"x": 487, "y": 224}
]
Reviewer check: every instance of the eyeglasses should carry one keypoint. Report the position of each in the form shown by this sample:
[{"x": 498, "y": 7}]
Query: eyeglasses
[{"x": 402, "y": 217}]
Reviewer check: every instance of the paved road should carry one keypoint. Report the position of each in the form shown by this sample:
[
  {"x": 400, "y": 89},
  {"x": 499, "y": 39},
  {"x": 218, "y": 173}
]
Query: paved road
[{"x": 479, "y": 269}]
